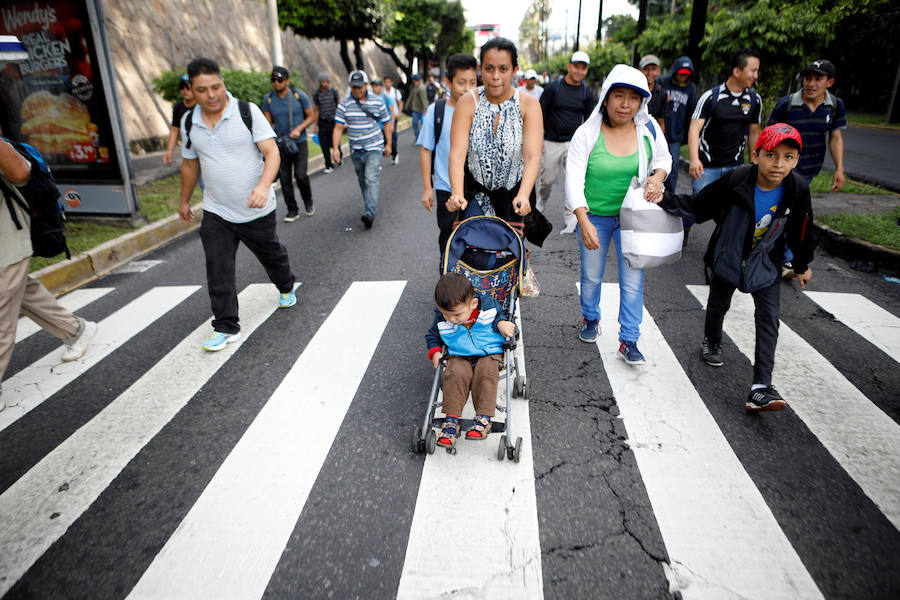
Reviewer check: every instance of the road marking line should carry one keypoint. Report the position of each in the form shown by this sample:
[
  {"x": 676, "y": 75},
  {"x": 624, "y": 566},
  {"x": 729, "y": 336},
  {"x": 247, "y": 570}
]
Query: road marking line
[
  {"x": 230, "y": 542},
  {"x": 858, "y": 434},
  {"x": 504, "y": 559},
  {"x": 71, "y": 302},
  {"x": 721, "y": 536},
  {"x": 876, "y": 325},
  {"x": 31, "y": 386},
  {"x": 88, "y": 461}
]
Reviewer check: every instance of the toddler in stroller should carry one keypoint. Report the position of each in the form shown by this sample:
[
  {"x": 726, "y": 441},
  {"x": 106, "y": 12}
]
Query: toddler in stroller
[{"x": 471, "y": 329}]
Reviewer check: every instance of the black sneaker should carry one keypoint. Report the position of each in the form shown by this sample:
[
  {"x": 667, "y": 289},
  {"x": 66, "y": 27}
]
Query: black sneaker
[
  {"x": 764, "y": 399},
  {"x": 292, "y": 216},
  {"x": 367, "y": 221},
  {"x": 712, "y": 353},
  {"x": 310, "y": 210}
]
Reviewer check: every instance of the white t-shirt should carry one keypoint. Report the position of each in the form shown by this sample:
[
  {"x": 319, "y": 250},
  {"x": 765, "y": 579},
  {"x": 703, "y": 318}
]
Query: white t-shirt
[
  {"x": 230, "y": 161},
  {"x": 394, "y": 93}
]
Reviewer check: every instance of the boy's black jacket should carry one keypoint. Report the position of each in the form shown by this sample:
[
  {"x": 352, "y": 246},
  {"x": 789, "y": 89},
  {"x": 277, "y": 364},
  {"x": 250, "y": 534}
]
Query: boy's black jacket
[{"x": 729, "y": 200}]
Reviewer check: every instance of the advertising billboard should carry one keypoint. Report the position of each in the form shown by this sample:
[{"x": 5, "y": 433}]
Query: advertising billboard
[{"x": 62, "y": 101}]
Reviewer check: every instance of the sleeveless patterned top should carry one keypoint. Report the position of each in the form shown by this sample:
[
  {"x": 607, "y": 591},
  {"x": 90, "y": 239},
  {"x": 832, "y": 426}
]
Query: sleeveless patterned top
[{"x": 495, "y": 160}]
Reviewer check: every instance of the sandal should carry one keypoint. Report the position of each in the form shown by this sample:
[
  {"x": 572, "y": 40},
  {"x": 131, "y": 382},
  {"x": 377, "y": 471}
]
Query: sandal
[
  {"x": 449, "y": 432},
  {"x": 480, "y": 428}
]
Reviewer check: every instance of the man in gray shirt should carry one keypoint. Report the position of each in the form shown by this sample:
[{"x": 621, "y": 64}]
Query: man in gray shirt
[{"x": 235, "y": 146}]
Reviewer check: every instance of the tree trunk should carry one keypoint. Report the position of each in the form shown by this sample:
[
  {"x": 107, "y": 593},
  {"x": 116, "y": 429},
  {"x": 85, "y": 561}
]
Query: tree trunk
[
  {"x": 345, "y": 56},
  {"x": 357, "y": 52},
  {"x": 406, "y": 68},
  {"x": 697, "y": 31}
]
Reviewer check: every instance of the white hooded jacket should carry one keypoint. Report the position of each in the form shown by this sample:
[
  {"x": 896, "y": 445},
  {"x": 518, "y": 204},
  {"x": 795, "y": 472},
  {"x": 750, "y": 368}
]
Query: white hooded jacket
[{"x": 585, "y": 138}]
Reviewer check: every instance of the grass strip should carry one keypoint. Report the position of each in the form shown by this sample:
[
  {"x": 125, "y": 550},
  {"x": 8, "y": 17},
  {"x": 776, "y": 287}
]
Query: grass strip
[{"x": 881, "y": 228}]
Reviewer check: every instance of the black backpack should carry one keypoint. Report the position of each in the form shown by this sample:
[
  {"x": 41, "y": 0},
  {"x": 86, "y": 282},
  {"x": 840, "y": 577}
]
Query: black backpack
[
  {"x": 243, "y": 108},
  {"x": 40, "y": 199}
]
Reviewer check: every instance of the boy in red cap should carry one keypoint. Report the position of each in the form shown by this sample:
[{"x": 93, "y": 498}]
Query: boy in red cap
[{"x": 757, "y": 209}]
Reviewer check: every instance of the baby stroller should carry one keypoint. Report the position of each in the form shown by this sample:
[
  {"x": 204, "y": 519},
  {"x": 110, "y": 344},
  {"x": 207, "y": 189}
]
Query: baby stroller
[{"x": 490, "y": 253}]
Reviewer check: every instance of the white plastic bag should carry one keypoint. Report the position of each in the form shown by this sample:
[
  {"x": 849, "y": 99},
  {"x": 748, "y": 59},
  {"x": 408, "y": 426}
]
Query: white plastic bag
[{"x": 650, "y": 236}]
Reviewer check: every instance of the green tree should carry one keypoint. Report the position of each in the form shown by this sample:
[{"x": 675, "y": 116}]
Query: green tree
[
  {"x": 620, "y": 28},
  {"x": 531, "y": 30},
  {"x": 243, "y": 85},
  {"x": 342, "y": 20}
]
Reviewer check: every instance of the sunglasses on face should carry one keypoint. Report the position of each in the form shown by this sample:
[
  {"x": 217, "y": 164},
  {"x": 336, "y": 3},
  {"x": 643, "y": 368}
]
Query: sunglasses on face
[{"x": 278, "y": 79}]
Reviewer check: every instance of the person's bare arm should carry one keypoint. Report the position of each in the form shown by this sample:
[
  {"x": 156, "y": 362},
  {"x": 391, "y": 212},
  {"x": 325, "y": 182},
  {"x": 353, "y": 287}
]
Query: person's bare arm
[
  {"x": 459, "y": 145},
  {"x": 425, "y": 168},
  {"x": 532, "y": 140},
  {"x": 316, "y": 117},
  {"x": 836, "y": 147},
  {"x": 388, "y": 131},
  {"x": 170, "y": 145},
  {"x": 13, "y": 165},
  {"x": 190, "y": 174},
  {"x": 260, "y": 194},
  {"x": 696, "y": 169},
  {"x": 268, "y": 116},
  {"x": 310, "y": 116},
  {"x": 755, "y": 130},
  {"x": 336, "y": 142}
]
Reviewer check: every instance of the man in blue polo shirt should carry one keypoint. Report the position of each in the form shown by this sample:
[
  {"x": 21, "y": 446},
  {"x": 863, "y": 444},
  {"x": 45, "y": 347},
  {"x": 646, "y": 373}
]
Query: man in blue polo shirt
[
  {"x": 362, "y": 114},
  {"x": 815, "y": 113},
  {"x": 239, "y": 161}
]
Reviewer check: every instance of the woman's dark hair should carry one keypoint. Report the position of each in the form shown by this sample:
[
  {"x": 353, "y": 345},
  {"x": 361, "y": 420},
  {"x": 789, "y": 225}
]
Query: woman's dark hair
[
  {"x": 451, "y": 290},
  {"x": 460, "y": 62},
  {"x": 501, "y": 43},
  {"x": 739, "y": 59},
  {"x": 203, "y": 66}
]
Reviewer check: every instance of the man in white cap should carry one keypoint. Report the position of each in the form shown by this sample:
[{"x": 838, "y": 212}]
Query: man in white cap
[
  {"x": 531, "y": 85},
  {"x": 566, "y": 103}
]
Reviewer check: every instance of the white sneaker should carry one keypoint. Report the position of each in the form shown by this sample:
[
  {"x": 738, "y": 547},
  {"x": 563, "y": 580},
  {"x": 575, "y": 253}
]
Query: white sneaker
[
  {"x": 395, "y": 160},
  {"x": 328, "y": 170},
  {"x": 77, "y": 347}
]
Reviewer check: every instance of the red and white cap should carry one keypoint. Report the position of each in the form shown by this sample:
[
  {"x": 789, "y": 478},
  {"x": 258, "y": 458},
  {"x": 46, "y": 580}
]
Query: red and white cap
[{"x": 773, "y": 135}]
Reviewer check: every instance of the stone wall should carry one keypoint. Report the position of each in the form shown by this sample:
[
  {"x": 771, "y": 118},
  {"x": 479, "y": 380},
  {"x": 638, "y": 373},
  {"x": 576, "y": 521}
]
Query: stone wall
[{"x": 148, "y": 37}]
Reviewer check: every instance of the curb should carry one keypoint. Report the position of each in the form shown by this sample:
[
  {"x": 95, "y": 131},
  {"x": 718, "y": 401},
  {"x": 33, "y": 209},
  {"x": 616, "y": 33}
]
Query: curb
[
  {"x": 848, "y": 248},
  {"x": 67, "y": 275}
]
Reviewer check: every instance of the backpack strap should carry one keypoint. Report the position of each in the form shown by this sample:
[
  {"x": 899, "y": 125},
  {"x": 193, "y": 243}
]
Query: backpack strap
[
  {"x": 439, "y": 107},
  {"x": 651, "y": 127},
  {"x": 188, "y": 124}
]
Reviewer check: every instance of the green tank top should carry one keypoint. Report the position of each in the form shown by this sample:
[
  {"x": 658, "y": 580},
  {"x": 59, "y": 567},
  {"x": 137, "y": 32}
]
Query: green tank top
[{"x": 608, "y": 177}]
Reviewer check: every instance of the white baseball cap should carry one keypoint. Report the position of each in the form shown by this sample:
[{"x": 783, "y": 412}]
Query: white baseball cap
[
  {"x": 581, "y": 56},
  {"x": 530, "y": 74}
]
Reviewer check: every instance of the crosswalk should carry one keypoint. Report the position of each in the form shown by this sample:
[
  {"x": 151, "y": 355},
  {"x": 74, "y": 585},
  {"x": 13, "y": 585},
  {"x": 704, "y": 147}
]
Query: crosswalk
[{"x": 712, "y": 517}]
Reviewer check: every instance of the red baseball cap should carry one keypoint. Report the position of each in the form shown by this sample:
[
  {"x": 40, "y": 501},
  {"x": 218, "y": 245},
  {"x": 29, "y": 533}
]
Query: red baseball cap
[{"x": 773, "y": 135}]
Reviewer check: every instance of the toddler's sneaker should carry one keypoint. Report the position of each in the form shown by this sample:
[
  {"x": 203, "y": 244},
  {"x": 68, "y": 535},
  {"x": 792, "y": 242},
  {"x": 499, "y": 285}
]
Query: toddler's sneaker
[
  {"x": 218, "y": 340},
  {"x": 629, "y": 351},
  {"x": 764, "y": 399},
  {"x": 712, "y": 353},
  {"x": 590, "y": 329},
  {"x": 287, "y": 300},
  {"x": 77, "y": 347}
]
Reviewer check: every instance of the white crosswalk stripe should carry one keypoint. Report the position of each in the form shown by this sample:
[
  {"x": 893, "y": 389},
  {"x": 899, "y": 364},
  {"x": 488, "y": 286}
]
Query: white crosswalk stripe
[
  {"x": 503, "y": 560},
  {"x": 94, "y": 455},
  {"x": 31, "y": 386},
  {"x": 863, "y": 316},
  {"x": 858, "y": 434},
  {"x": 262, "y": 486},
  {"x": 708, "y": 509},
  {"x": 71, "y": 301}
]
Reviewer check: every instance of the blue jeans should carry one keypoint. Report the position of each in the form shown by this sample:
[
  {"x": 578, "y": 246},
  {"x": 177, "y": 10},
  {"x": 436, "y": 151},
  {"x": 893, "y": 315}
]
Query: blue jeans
[
  {"x": 416, "y": 123},
  {"x": 368, "y": 170},
  {"x": 631, "y": 281},
  {"x": 709, "y": 175},
  {"x": 672, "y": 177}
]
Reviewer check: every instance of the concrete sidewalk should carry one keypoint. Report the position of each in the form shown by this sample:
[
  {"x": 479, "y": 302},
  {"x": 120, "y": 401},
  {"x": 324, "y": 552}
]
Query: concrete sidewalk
[{"x": 66, "y": 275}]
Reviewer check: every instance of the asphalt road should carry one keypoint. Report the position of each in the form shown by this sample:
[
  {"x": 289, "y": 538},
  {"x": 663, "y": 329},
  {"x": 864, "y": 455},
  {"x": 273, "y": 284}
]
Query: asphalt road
[
  {"x": 871, "y": 155},
  {"x": 607, "y": 514}
]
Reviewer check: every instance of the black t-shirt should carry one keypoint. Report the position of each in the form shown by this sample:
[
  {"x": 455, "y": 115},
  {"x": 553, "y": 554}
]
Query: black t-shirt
[
  {"x": 565, "y": 108},
  {"x": 178, "y": 110},
  {"x": 728, "y": 118},
  {"x": 657, "y": 105}
]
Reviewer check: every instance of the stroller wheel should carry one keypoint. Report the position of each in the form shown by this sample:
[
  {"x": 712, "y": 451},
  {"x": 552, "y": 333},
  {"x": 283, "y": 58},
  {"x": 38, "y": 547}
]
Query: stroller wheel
[
  {"x": 501, "y": 449},
  {"x": 430, "y": 441},
  {"x": 517, "y": 452},
  {"x": 519, "y": 386},
  {"x": 417, "y": 440}
]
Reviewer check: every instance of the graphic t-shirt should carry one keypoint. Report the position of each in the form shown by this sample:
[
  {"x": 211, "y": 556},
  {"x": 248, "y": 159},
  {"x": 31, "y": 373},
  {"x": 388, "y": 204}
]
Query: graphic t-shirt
[
  {"x": 727, "y": 117},
  {"x": 766, "y": 203}
]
